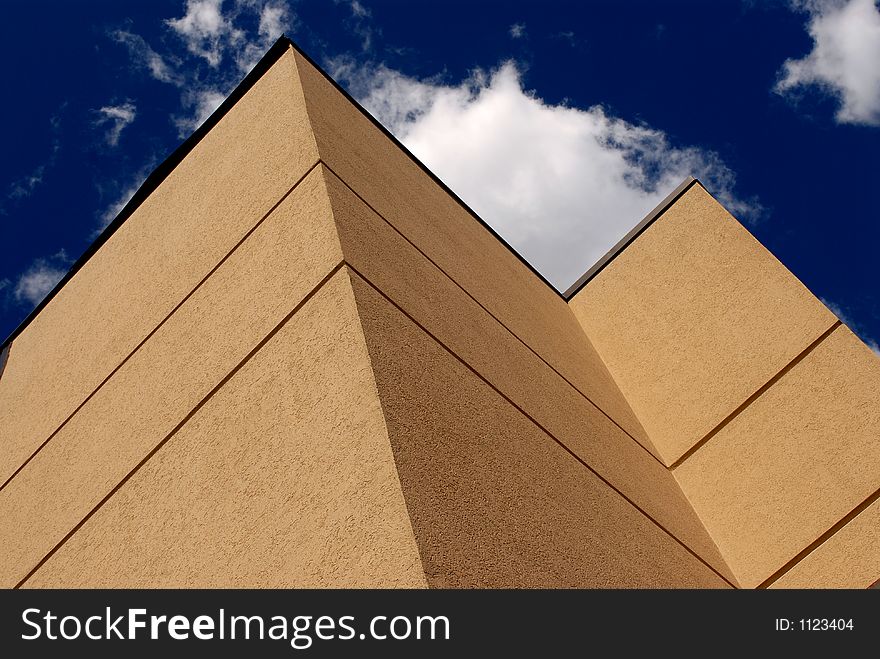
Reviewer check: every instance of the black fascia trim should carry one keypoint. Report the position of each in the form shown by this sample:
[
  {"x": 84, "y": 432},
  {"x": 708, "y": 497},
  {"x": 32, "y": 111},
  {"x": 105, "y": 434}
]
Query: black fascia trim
[
  {"x": 634, "y": 233},
  {"x": 427, "y": 171},
  {"x": 167, "y": 166},
  {"x": 158, "y": 175},
  {"x": 4, "y": 356}
]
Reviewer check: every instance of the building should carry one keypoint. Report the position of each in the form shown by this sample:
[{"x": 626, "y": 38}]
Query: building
[{"x": 296, "y": 359}]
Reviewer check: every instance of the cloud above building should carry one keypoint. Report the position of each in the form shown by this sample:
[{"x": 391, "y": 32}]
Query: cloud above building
[
  {"x": 844, "y": 61},
  {"x": 40, "y": 278},
  {"x": 227, "y": 38},
  {"x": 115, "y": 118},
  {"x": 857, "y": 328},
  {"x": 561, "y": 184}
]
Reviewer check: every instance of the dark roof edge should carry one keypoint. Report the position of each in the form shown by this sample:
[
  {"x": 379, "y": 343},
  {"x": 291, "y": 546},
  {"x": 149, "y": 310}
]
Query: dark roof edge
[
  {"x": 634, "y": 233},
  {"x": 162, "y": 171},
  {"x": 4, "y": 357},
  {"x": 158, "y": 175},
  {"x": 427, "y": 171}
]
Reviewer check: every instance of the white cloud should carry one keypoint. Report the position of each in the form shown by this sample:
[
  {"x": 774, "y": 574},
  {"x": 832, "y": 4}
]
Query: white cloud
[
  {"x": 144, "y": 56},
  {"x": 201, "y": 104},
  {"x": 845, "y": 60},
  {"x": 118, "y": 116},
  {"x": 124, "y": 196},
  {"x": 213, "y": 32},
  {"x": 561, "y": 184},
  {"x": 360, "y": 23},
  {"x": 857, "y": 328},
  {"x": 273, "y": 21},
  {"x": 40, "y": 278},
  {"x": 517, "y": 31},
  {"x": 25, "y": 186},
  {"x": 357, "y": 9},
  {"x": 202, "y": 28}
]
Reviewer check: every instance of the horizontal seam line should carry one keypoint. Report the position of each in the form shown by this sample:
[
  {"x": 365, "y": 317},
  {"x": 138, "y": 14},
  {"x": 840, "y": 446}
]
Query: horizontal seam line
[
  {"x": 159, "y": 326},
  {"x": 539, "y": 426},
  {"x": 480, "y": 304},
  {"x": 299, "y": 305},
  {"x": 755, "y": 396},
  {"x": 810, "y": 548}
]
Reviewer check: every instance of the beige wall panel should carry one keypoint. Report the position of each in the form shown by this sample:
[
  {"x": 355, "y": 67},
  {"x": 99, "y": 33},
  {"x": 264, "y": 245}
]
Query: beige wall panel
[
  {"x": 494, "y": 502},
  {"x": 221, "y": 189},
  {"x": 848, "y": 559},
  {"x": 404, "y": 195},
  {"x": 794, "y": 462},
  {"x": 263, "y": 280},
  {"x": 423, "y": 291},
  {"x": 284, "y": 479},
  {"x": 693, "y": 317}
]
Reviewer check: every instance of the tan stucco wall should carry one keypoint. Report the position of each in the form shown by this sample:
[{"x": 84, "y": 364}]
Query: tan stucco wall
[
  {"x": 218, "y": 192},
  {"x": 794, "y": 462},
  {"x": 285, "y": 478},
  {"x": 693, "y": 317},
  {"x": 494, "y": 501},
  {"x": 405, "y": 196},
  {"x": 429, "y": 412},
  {"x": 380, "y": 254},
  {"x": 248, "y": 295},
  {"x": 848, "y": 559},
  {"x": 761, "y": 403}
]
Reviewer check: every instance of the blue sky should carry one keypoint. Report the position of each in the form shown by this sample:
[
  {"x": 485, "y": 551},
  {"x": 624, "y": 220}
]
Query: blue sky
[{"x": 561, "y": 123}]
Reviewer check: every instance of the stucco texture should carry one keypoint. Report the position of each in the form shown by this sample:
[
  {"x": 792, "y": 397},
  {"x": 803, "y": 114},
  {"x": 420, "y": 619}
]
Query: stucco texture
[
  {"x": 352, "y": 382},
  {"x": 493, "y": 500},
  {"x": 848, "y": 559},
  {"x": 204, "y": 339},
  {"x": 794, "y": 462},
  {"x": 213, "y": 197},
  {"x": 693, "y": 317},
  {"x": 285, "y": 478},
  {"x": 401, "y": 193},
  {"x": 379, "y": 253}
]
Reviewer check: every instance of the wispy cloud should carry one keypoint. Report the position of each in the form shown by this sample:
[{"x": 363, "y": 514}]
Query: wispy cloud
[
  {"x": 274, "y": 20},
  {"x": 561, "y": 184},
  {"x": 40, "y": 278},
  {"x": 358, "y": 9},
  {"x": 846, "y": 318},
  {"x": 202, "y": 28},
  {"x": 222, "y": 42},
  {"x": 213, "y": 33},
  {"x": 116, "y": 117},
  {"x": 143, "y": 56},
  {"x": 126, "y": 192},
  {"x": 201, "y": 103},
  {"x": 566, "y": 35},
  {"x": 360, "y": 23},
  {"x": 517, "y": 31},
  {"x": 845, "y": 60},
  {"x": 24, "y": 186}
]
